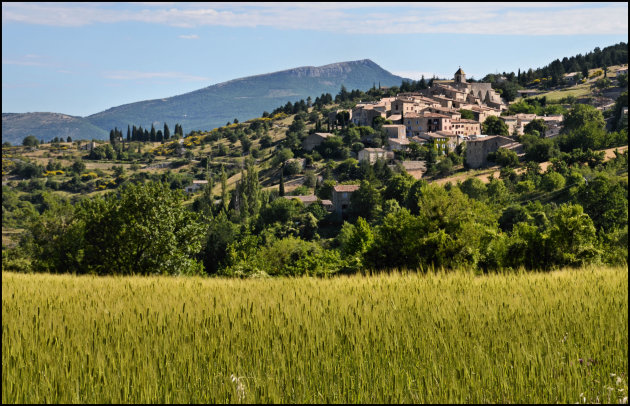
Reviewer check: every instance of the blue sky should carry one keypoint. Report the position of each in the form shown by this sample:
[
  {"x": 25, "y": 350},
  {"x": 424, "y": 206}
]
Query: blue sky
[{"x": 82, "y": 58}]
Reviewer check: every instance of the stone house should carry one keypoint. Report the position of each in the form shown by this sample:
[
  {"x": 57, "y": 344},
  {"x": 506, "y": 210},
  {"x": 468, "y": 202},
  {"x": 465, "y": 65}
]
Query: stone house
[
  {"x": 426, "y": 122},
  {"x": 397, "y": 144},
  {"x": 89, "y": 146},
  {"x": 364, "y": 114},
  {"x": 395, "y": 131},
  {"x": 373, "y": 154},
  {"x": 314, "y": 140},
  {"x": 310, "y": 199},
  {"x": 480, "y": 113},
  {"x": 442, "y": 141},
  {"x": 477, "y": 150},
  {"x": 341, "y": 198},
  {"x": 332, "y": 116},
  {"x": 465, "y": 127},
  {"x": 196, "y": 185},
  {"x": 518, "y": 122},
  {"x": 454, "y": 114}
]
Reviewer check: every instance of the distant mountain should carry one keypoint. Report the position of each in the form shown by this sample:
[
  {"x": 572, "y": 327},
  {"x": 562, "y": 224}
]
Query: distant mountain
[
  {"x": 246, "y": 98},
  {"x": 214, "y": 105},
  {"x": 16, "y": 126}
]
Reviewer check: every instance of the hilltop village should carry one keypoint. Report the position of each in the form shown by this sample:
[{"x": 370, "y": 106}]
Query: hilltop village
[{"x": 433, "y": 117}]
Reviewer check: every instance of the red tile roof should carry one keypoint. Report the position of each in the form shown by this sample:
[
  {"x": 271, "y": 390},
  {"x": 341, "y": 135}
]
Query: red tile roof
[{"x": 346, "y": 188}]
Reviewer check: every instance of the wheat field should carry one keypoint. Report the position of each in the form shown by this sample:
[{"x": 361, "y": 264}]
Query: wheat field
[{"x": 403, "y": 337}]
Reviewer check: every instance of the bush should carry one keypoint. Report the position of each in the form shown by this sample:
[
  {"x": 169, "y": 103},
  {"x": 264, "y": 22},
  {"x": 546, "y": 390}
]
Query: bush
[{"x": 552, "y": 181}]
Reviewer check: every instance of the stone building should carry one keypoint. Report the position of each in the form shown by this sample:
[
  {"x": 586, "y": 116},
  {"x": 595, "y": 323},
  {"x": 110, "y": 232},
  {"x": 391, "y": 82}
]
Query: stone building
[
  {"x": 477, "y": 150},
  {"x": 341, "y": 198},
  {"x": 313, "y": 140},
  {"x": 373, "y": 154}
]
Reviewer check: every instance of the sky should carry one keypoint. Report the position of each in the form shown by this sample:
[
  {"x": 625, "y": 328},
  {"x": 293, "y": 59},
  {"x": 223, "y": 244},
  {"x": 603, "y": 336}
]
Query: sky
[{"x": 83, "y": 58}]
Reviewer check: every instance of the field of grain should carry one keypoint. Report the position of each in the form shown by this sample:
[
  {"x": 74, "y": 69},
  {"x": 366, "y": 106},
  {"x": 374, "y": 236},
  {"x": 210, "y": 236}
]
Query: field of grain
[{"x": 446, "y": 337}]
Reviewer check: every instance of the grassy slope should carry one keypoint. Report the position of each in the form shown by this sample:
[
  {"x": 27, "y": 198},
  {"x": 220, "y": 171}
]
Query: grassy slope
[{"x": 448, "y": 338}]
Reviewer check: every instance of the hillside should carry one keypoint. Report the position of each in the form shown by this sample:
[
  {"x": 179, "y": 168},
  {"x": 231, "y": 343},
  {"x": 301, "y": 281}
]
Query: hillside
[
  {"x": 47, "y": 126},
  {"x": 213, "y": 106}
]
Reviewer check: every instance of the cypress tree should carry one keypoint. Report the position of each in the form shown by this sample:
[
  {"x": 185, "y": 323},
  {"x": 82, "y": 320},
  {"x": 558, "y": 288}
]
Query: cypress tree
[
  {"x": 224, "y": 192},
  {"x": 167, "y": 132},
  {"x": 128, "y": 133},
  {"x": 153, "y": 135},
  {"x": 281, "y": 188}
]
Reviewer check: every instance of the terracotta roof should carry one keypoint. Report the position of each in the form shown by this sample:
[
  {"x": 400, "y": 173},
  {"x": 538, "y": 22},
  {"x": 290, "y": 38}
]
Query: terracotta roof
[
  {"x": 464, "y": 121},
  {"x": 434, "y": 115},
  {"x": 346, "y": 188},
  {"x": 303, "y": 199},
  {"x": 374, "y": 150}
]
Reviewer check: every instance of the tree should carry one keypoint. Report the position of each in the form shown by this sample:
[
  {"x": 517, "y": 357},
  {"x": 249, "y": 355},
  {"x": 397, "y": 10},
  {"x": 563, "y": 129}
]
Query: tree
[
  {"x": 552, "y": 181},
  {"x": 398, "y": 187},
  {"x": 69, "y": 139},
  {"x": 55, "y": 240},
  {"x": 495, "y": 126},
  {"x": 221, "y": 232},
  {"x": 142, "y": 229},
  {"x": 474, "y": 188},
  {"x": 281, "y": 188},
  {"x": 536, "y": 125},
  {"x": 281, "y": 157},
  {"x": 605, "y": 201},
  {"x": 78, "y": 167},
  {"x": 30, "y": 141},
  {"x": 582, "y": 115},
  {"x": 354, "y": 241},
  {"x": 504, "y": 157},
  {"x": 167, "y": 132},
  {"x": 445, "y": 167},
  {"x": 467, "y": 114},
  {"x": 538, "y": 149},
  {"x": 365, "y": 202},
  {"x": 572, "y": 237}
]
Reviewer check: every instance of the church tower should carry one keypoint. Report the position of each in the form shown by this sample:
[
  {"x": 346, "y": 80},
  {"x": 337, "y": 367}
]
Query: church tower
[{"x": 460, "y": 76}]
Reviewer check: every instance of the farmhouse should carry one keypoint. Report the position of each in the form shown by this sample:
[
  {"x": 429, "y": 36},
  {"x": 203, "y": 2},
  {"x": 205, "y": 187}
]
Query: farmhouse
[
  {"x": 477, "y": 150},
  {"x": 196, "y": 185},
  {"x": 310, "y": 199},
  {"x": 314, "y": 140},
  {"x": 373, "y": 154},
  {"x": 341, "y": 198}
]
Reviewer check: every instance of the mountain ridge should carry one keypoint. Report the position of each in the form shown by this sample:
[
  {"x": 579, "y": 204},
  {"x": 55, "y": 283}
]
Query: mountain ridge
[{"x": 209, "y": 107}]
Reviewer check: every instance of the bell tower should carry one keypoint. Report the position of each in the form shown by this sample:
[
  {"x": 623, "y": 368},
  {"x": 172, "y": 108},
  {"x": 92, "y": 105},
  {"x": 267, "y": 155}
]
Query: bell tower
[{"x": 460, "y": 76}]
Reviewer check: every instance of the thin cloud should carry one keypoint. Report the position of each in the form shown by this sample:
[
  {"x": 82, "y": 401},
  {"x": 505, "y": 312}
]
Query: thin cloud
[
  {"x": 28, "y": 60},
  {"x": 138, "y": 75},
  {"x": 351, "y": 18},
  {"x": 192, "y": 36}
]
